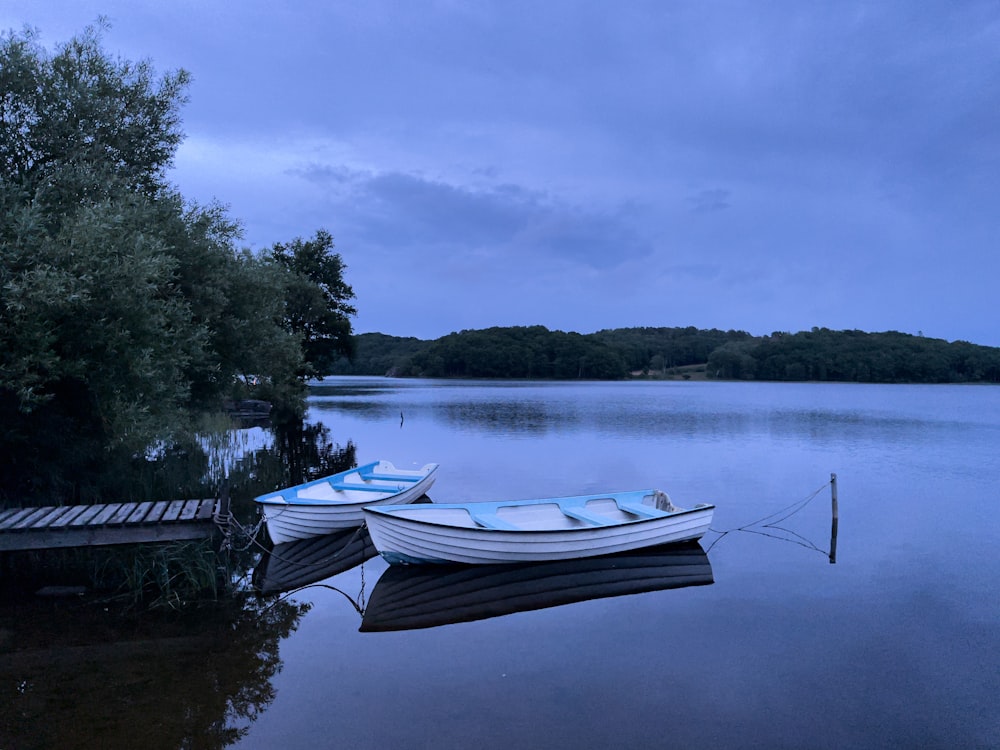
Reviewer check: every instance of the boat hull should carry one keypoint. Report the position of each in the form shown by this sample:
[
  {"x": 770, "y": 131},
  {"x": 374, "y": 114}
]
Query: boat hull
[
  {"x": 418, "y": 539},
  {"x": 292, "y": 515}
]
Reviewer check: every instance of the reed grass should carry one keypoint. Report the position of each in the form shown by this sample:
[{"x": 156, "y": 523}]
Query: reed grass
[{"x": 159, "y": 575}]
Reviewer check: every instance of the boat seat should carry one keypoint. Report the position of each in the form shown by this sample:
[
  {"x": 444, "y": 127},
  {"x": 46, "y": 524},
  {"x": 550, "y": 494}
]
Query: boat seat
[
  {"x": 362, "y": 487},
  {"x": 490, "y": 521},
  {"x": 389, "y": 477},
  {"x": 591, "y": 519},
  {"x": 638, "y": 509}
]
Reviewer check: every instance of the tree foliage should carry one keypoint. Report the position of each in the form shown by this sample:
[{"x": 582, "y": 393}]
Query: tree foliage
[
  {"x": 659, "y": 349},
  {"x": 856, "y": 356},
  {"x": 536, "y": 352},
  {"x": 123, "y": 306},
  {"x": 518, "y": 352},
  {"x": 78, "y": 125},
  {"x": 379, "y": 354},
  {"x": 317, "y": 300}
]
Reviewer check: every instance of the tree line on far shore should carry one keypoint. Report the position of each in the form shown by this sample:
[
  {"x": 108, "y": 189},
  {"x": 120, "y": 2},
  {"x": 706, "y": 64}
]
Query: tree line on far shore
[{"x": 534, "y": 352}]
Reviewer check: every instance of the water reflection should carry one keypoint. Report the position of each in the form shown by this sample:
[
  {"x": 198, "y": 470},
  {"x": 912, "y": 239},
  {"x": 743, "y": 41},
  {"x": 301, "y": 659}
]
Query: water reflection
[
  {"x": 298, "y": 452},
  {"x": 414, "y": 597},
  {"x": 529, "y": 417},
  {"x": 895, "y": 645},
  {"x": 101, "y": 671},
  {"x": 775, "y": 526},
  {"x": 77, "y": 675},
  {"x": 622, "y": 410},
  {"x": 292, "y": 565},
  {"x": 407, "y": 598}
]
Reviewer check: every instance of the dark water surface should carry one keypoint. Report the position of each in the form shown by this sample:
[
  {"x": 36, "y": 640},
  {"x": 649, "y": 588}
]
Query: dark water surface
[{"x": 750, "y": 639}]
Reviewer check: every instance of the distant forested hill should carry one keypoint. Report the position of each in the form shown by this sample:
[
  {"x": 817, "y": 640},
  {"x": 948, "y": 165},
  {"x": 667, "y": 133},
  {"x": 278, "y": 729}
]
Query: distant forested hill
[
  {"x": 855, "y": 356},
  {"x": 378, "y": 354},
  {"x": 655, "y": 350},
  {"x": 519, "y": 352},
  {"x": 538, "y": 353}
]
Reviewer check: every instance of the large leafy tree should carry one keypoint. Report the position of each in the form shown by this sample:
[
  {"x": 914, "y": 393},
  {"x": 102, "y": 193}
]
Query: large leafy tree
[
  {"x": 317, "y": 300},
  {"x": 93, "y": 321},
  {"x": 78, "y": 125},
  {"x": 123, "y": 306}
]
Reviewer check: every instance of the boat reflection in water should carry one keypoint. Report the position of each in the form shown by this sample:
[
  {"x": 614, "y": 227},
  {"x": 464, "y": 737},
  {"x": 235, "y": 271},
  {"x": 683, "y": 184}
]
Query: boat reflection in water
[
  {"x": 292, "y": 565},
  {"x": 425, "y": 596}
]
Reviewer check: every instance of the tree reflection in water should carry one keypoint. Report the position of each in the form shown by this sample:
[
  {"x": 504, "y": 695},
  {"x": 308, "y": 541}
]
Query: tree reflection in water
[
  {"x": 90, "y": 673},
  {"x": 198, "y": 679}
]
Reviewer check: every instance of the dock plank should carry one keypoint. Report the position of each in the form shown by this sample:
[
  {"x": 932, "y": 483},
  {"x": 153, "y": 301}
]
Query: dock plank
[
  {"x": 72, "y": 512},
  {"x": 52, "y": 516},
  {"x": 12, "y": 517},
  {"x": 156, "y": 512},
  {"x": 48, "y": 518},
  {"x": 173, "y": 511},
  {"x": 138, "y": 513},
  {"x": 88, "y": 514},
  {"x": 29, "y": 519},
  {"x": 102, "y": 518},
  {"x": 121, "y": 514},
  {"x": 189, "y": 510}
]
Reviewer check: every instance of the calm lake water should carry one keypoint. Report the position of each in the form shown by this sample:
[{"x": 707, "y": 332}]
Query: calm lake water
[
  {"x": 895, "y": 645},
  {"x": 751, "y": 639}
]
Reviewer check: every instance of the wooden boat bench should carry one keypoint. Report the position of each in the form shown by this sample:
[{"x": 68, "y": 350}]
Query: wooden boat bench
[
  {"x": 591, "y": 519},
  {"x": 490, "y": 521},
  {"x": 362, "y": 487},
  {"x": 637, "y": 509},
  {"x": 388, "y": 477}
]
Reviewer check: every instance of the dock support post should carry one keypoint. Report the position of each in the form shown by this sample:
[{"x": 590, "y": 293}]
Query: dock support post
[
  {"x": 835, "y": 518},
  {"x": 223, "y": 515}
]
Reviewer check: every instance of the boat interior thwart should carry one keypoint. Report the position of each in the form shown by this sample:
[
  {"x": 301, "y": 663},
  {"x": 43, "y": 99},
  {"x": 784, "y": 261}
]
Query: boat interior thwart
[{"x": 533, "y": 530}]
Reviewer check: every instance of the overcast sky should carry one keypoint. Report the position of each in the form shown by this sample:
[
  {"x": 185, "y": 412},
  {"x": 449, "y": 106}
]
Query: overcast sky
[{"x": 764, "y": 166}]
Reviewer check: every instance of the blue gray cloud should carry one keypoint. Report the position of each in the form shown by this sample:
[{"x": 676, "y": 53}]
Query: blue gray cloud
[
  {"x": 766, "y": 166},
  {"x": 415, "y": 213}
]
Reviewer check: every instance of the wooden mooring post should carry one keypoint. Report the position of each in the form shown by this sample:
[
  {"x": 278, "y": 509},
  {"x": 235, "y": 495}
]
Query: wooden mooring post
[
  {"x": 223, "y": 514},
  {"x": 835, "y": 518}
]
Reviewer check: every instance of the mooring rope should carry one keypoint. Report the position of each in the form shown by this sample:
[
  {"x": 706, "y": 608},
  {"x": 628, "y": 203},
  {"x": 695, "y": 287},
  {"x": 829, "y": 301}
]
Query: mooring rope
[
  {"x": 250, "y": 534},
  {"x": 359, "y": 604},
  {"x": 767, "y": 523}
]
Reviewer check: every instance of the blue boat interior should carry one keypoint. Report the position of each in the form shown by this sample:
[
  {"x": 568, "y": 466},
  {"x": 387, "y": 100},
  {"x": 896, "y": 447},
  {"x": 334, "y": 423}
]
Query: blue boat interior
[
  {"x": 366, "y": 472},
  {"x": 370, "y": 475},
  {"x": 589, "y": 510}
]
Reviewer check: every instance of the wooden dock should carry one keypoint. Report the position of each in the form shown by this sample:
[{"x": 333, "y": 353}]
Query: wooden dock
[{"x": 106, "y": 523}]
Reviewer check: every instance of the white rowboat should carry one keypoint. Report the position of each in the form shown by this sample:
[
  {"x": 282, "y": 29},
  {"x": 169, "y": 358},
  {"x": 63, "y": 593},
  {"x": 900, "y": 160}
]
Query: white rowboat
[
  {"x": 335, "y": 502},
  {"x": 563, "y": 528}
]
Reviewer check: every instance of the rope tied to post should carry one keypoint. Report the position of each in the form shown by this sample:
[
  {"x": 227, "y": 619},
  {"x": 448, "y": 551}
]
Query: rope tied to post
[{"x": 772, "y": 521}]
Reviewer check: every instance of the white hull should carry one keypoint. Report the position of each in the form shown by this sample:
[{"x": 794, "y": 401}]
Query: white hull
[
  {"x": 319, "y": 507},
  {"x": 534, "y": 531}
]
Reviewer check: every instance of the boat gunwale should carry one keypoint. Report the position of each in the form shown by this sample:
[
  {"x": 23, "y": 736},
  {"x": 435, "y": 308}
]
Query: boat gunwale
[
  {"x": 386, "y": 512},
  {"x": 283, "y": 498}
]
